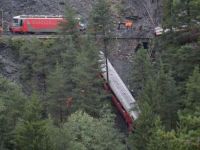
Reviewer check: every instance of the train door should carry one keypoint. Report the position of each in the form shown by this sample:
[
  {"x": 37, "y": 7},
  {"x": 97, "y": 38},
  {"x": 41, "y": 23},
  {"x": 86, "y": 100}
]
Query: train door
[{"x": 20, "y": 22}]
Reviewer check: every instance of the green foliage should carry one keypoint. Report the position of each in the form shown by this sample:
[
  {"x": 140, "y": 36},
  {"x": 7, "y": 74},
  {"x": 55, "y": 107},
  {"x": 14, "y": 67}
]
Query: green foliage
[
  {"x": 143, "y": 128},
  {"x": 193, "y": 90},
  {"x": 161, "y": 94},
  {"x": 31, "y": 132},
  {"x": 187, "y": 12},
  {"x": 181, "y": 61},
  {"x": 35, "y": 64},
  {"x": 165, "y": 96},
  {"x": 181, "y": 12},
  {"x": 70, "y": 26},
  {"x": 166, "y": 101},
  {"x": 57, "y": 93},
  {"x": 87, "y": 133},
  {"x": 88, "y": 92},
  {"x": 185, "y": 138},
  {"x": 142, "y": 70},
  {"x": 168, "y": 13},
  {"x": 101, "y": 17},
  {"x": 12, "y": 102}
]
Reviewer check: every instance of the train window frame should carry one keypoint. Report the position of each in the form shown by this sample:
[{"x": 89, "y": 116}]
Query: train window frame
[{"x": 15, "y": 21}]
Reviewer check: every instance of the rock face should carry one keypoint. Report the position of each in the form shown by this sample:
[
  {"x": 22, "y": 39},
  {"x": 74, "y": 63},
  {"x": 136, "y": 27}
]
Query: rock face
[
  {"x": 8, "y": 64},
  {"x": 149, "y": 12}
]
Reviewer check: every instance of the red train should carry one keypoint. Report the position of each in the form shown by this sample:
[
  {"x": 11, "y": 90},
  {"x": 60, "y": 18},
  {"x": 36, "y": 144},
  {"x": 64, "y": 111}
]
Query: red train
[{"x": 37, "y": 24}]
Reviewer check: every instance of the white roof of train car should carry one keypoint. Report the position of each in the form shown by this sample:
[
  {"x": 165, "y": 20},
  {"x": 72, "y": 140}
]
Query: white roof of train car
[
  {"x": 119, "y": 88},
  {"x": 37, "y": 16}
]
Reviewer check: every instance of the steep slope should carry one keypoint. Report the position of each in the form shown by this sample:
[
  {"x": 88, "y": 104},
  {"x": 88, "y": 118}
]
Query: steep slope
[{"x": 147, "y": 10}]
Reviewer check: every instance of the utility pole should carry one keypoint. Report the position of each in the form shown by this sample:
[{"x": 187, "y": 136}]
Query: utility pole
[{"x": 106, "y": 57}]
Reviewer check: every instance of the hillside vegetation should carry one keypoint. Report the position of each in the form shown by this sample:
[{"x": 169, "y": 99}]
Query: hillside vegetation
[
  {"x": 166, "y": 81},
  {"x": 59, "y": 103}
]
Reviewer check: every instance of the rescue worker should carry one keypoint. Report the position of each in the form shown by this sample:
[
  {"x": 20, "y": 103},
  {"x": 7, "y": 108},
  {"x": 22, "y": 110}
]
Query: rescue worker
[
  {"x": 128, "y": 24},
  {"x": 1, "y": 30}
]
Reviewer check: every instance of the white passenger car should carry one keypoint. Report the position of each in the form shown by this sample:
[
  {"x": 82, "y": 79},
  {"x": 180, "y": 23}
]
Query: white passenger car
[{"x": 158, "y": 31}]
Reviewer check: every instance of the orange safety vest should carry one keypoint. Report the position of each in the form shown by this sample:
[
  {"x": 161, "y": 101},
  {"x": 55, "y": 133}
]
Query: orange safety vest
[
  {"x": 1, "y": 29},
  {"x": 128, "y": 24}
]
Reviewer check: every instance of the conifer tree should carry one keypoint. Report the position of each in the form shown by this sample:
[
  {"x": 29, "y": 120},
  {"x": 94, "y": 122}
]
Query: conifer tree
[
  {"x": 31, "y": 132},
  {"x": 88, "y": 92},
  {"x": 193, "y": 91},
  {"x": 185, "y": 137},
  {"x": 35, "y": 64},
  {"x": 57, "y": 93},
  {"x": 12, "y": 102},
  {"x": 161, "y": 94},
  {"x": 142, "y": 71},
  {"x": 144, "y": 126},
  {"x": 167, "y": 101},
  {"x": 168, "y": 14},
  {"x": 101, "y": 17},
  {"x": 70, "y": 27}
]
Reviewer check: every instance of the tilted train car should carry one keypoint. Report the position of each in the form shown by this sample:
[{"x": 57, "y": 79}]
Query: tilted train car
[
  {"x": 39, "y": 24},
  {"x": 121, "y": 96}
]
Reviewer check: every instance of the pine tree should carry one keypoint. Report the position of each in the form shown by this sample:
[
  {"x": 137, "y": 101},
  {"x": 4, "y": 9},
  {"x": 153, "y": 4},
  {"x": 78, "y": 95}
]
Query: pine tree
[
  {"x": 12, "y": 102},
  {"x": 168, "y": 14},
  {"x": 35, "y": 64},
  {"x": 144, "y": 126},
  {"x": 185, "y": 137},
  {"x": 167, "y": 101},
  {"x": 193, "y": 90},
  {"x": 161, "y": 94},
  {"x": 88, "y": 92},
  {"x": 70, "y": 27},
  {"x": 31, "y": 132},
  {"x": 57, "y": 94},
  {"x": 142, "y": 71},
  {"x": 101, "y": 18}
]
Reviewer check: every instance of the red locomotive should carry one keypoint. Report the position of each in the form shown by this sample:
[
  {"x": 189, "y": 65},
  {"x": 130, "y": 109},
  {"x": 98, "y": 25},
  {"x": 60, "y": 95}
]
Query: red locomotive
[{"x": 37, "y": 24}]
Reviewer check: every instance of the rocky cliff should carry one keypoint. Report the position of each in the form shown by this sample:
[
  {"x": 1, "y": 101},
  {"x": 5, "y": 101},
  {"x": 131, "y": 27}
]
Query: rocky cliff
[{"x": 149, "y": 12}]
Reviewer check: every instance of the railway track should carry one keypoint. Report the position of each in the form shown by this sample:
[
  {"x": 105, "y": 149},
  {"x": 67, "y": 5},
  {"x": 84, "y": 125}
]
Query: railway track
[{"x": 114, "y": 36}]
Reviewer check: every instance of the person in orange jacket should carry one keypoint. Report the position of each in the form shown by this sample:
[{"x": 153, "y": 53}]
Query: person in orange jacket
[
  {"x": 128, "y": 24},
  {"x": 1, "y": 29}
]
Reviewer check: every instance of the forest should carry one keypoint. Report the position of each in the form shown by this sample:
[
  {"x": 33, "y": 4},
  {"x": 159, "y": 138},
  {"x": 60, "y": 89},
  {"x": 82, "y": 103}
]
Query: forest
[{"x": 60, "y": 104}]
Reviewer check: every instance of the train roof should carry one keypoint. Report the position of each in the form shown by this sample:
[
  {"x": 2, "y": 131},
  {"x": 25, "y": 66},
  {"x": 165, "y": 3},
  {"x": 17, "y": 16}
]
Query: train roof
[{"x": 37, "y": 16}]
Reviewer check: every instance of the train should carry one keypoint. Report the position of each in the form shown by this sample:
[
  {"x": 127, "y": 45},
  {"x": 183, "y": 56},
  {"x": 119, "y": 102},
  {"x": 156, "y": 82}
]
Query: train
[
  {"x": 121, "y": 96},
  {"x": 39, "y": 24}
]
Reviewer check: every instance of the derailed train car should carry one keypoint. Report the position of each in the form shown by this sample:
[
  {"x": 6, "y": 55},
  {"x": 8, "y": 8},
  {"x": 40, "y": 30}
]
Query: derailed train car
[{"x": 121, "y": 96}]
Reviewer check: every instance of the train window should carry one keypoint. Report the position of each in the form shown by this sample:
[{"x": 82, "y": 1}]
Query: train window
[{"x": 15, "y": 21}]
